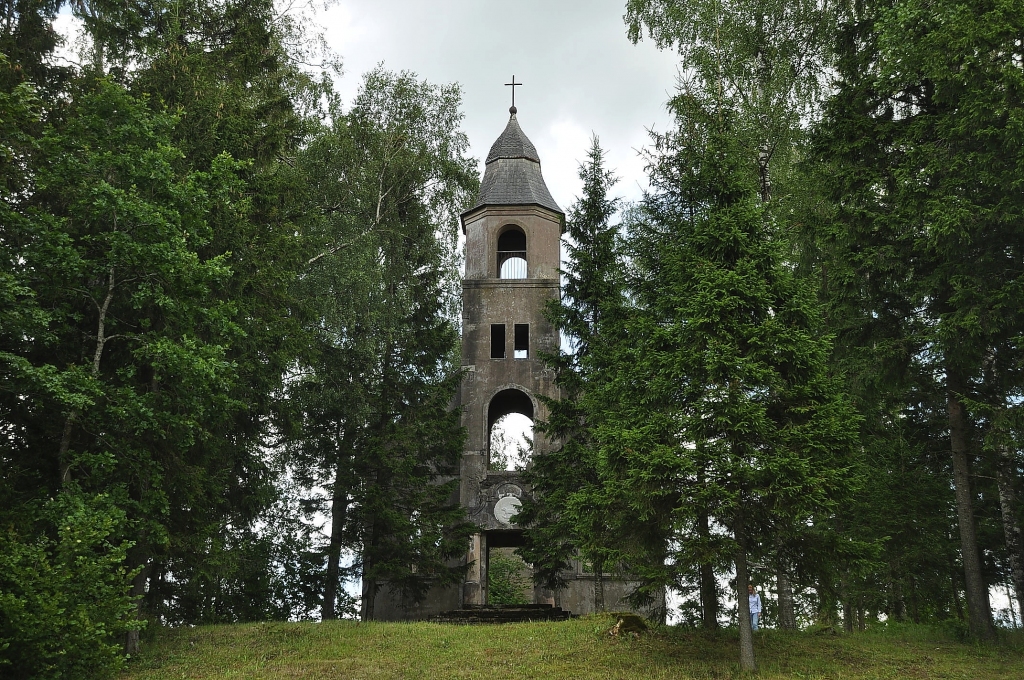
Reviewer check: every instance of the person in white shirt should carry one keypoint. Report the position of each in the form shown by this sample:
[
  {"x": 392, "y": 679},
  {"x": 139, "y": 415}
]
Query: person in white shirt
[{"x": 755, "y": 606}]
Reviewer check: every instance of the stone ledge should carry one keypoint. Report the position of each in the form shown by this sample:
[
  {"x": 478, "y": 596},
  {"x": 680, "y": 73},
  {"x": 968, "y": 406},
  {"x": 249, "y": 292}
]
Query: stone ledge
[{"x": 510, "y": 283}]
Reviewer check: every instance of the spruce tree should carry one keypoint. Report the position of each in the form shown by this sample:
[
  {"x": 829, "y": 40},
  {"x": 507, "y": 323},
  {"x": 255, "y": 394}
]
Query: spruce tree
[
  {"x": 727, "y": 406},
  {"x": 772, "y": 58},
  {"x": 567, "y": 518},
  {"x": 921, "y": 161}
]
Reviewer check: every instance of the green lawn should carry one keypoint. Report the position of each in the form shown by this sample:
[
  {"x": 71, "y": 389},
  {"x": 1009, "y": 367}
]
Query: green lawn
[{"x": 574, "y": 649}]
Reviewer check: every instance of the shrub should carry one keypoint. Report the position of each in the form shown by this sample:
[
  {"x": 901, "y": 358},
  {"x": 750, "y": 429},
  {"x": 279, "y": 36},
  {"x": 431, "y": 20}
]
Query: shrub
[
  {"x": 64, "y": 593},
  {"x": 505, "y": 581}
]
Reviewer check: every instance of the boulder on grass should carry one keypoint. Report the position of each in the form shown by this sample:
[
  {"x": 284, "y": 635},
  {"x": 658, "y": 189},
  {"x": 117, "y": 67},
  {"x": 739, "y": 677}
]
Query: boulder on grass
[{"x": 627, "y": 623}]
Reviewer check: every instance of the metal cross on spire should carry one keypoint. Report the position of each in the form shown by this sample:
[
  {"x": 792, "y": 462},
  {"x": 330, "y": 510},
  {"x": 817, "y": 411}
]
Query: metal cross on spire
[{"x": 513, "y": 85}]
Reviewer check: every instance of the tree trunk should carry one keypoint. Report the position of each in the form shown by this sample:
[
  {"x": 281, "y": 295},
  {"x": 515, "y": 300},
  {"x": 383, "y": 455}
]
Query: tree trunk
[
  {"x": 366, "y": 612},
  {"x": 339, "y": 509},
  {"x": 844, "y": 587},
  {"x": 1006, "y": 475},
  {"x": 1009, "y": 605},
  {"x": 138, "y": 590},
  {"x": 898, "y": 608},
  {"x": 599, "y": 587},
  {"x": 370, "y": 585},
  {"x": 957, "y": 604},
  {"x": 826, "y": 614},
  {"x": 747, "y": 661},
  {"x": 787, "y": 608},
  {"x": 915, "y": 612},
  {"x": 978, "y": 609},
  {"x": 708, "y": 597},
  {"x": 64, "y": 465},
  {"x": 154, "y": 594},
  {"x": 708, "y": 584}
]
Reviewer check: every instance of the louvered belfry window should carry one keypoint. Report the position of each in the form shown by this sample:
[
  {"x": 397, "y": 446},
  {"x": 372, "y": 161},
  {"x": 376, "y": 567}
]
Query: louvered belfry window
[{"x": 512, "y": 254}]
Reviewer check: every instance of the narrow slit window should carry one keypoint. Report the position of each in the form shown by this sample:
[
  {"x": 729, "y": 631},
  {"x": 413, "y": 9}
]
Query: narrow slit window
[
  {"x": 497, "y": 341},
  {"x": 522, "y": 341}
]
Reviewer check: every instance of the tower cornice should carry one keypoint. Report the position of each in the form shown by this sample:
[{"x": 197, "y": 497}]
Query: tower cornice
[{"x": 512, "y": 211}]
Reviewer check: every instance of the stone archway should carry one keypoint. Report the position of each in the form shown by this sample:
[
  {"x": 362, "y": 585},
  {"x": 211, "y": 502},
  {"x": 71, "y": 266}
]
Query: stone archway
[
  {"x": 502, "y": 538},
  {"x": 509, "y": 436}
]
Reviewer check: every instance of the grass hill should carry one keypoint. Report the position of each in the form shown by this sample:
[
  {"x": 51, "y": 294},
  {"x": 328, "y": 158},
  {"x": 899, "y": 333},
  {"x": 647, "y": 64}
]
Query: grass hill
[{"x": 579, "y": 648}]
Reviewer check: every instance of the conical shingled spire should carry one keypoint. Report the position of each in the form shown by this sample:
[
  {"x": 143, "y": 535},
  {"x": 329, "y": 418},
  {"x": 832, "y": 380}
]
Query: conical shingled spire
[
  {"x": 513, "y": 144},
  {"x": 512, "y": 175}
]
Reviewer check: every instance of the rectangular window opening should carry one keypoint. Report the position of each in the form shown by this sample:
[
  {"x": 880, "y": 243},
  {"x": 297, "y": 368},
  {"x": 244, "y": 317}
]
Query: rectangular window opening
[
  {"x": 497, "y": 341},
  {"x": 522, "y": 341}
]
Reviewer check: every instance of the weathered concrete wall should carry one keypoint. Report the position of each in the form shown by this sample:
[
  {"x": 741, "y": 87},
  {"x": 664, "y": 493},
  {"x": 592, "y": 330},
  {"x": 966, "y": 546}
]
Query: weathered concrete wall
[
  {"x": 488, "y": 300},
  {"x": 579, "y": 596},
  {"x": 390, "y": 606},
  {"x": 543, "y": 229}
]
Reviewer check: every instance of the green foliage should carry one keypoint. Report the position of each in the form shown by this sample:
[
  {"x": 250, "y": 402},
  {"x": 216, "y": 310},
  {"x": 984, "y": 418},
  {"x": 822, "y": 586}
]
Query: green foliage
[
  {"x": 505, "y": 580},
  {"x": 917, "y": 158},
  {"x": 173, "y": 195},
  {"x": 237, "y": 93},
  {"x": 106, "y": 243},
  {"x": 114, "y": 366},
  {"x": 770, "y": 58},
  {"x": 738, "y": 414},
  {"x": 372, "y": 402},
  {"x": 568, "y": 517},
  {"x": 905, "y": 216},
  {"x": 64, "y": 594},
  {"x": 27, "y": 44}
]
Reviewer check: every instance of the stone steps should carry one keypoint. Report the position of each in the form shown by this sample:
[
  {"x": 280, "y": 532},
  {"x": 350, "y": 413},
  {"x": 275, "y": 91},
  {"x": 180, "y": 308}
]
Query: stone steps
[{"x": 483, "y": 613}]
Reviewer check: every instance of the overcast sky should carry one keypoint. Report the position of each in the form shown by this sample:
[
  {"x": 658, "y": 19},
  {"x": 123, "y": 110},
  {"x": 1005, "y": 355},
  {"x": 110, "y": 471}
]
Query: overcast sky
[{"x": 580, "y": 73}]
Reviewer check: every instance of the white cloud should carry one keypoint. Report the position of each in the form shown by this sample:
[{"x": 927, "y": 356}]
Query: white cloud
[
  {"x": 562, "y": 146},
  {"x": 69, "y": 27},
  {"x": 579, "y": 72}
]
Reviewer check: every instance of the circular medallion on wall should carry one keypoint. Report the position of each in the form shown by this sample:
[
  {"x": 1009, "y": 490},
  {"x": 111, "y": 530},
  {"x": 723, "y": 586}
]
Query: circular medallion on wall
[{"x": 506, "y": 508}]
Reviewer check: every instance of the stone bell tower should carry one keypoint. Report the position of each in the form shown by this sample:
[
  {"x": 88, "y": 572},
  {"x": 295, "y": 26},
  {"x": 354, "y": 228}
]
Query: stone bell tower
[{"x": 513, "y": 234}]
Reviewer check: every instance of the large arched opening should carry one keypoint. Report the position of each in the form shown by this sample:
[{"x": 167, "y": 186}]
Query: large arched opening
[
  {"x": 509, "y": 430},
  {"x": 510, "y": 445}
]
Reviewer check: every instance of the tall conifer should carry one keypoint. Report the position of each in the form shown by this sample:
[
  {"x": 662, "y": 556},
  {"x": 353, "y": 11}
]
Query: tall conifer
[
  {"x": 373, "y": 397},
  {"x": 728, "y": 407},
  {"x": 922, "y": 159},
  {"x": 569, "y": 520}
]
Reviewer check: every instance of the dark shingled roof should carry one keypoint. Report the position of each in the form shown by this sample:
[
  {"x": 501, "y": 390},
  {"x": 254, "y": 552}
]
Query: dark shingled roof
[
  {"x": 513, "y": 144},
  {"x": 512, "y": 174}
]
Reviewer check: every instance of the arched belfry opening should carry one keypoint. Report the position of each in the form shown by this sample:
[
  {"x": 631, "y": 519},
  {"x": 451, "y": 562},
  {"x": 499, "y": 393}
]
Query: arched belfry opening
[
  {"x": 512, "y": 263},
  {"x": 509, "y": 431}
]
